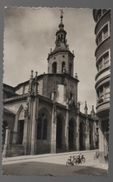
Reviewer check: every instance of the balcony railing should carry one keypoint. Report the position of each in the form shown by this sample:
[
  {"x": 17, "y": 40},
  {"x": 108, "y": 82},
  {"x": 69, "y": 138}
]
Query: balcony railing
[
  {"x": 100, "y": 100},
  {"x": 103, "y": 98}
]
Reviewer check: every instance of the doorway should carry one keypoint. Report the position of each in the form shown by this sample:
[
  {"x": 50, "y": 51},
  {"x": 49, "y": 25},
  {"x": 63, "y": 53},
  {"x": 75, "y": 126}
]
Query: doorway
[
  {"x": 71, "y": 134},
  {"x": 20, "y": 131},
  {"x": 59, "y": 133},
  {"x": 81, "y": 136}
]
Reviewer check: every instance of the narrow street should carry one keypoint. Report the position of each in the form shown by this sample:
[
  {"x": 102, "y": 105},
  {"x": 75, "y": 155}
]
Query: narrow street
[{"x": 47, "y": 169}]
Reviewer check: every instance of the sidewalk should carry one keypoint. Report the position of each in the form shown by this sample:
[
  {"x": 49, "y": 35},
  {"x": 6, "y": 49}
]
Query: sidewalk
[{"x": 59, "y": 158}]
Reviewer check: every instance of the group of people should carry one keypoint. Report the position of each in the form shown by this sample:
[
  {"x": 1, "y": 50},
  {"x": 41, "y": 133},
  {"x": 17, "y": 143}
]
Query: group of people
[{"x": 75, "y": 159}]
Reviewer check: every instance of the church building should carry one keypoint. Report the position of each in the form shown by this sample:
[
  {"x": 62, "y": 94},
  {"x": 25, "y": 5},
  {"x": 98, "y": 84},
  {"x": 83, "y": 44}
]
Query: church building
[{"x": 42, "y": 114}]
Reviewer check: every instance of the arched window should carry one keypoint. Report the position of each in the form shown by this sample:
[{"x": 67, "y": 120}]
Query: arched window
[
  {"x": 54, "y": 67},
  {"x": 63, "y": 67},
  {"x": 42, "y": 127}
]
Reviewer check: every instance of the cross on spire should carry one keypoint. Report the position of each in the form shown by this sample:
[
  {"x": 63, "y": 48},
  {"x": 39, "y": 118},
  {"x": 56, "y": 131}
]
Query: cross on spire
[{"x": 61, "y": 16}]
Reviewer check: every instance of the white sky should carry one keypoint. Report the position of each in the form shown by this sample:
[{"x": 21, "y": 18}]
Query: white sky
[{"x": 30, "y": 33}]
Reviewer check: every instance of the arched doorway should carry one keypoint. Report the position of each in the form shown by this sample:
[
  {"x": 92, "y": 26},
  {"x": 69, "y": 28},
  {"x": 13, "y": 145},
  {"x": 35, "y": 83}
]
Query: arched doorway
[
  {"x": 81, "y": 136},
  {"x": 59, "y": 133},
  {"x": 71, "y": 134}
]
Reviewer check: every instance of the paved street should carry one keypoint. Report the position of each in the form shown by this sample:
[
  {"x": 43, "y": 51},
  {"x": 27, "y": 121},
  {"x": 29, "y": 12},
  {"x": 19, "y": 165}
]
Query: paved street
[{"x": 47, "y": 169}]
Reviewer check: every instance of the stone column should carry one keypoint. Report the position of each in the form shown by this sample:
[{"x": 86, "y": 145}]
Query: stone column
[
  {"x": 33, "y": 129},
  {"x": 76, "y": 134},
  {"x": 53, "y": 130},
  {"x": 7, "y": 142}
]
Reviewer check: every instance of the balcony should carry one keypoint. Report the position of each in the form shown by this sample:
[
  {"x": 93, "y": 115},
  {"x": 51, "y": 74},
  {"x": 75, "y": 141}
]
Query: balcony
[
  {"x": 103, "y": 104},
  {"x": 101, "y": 37},
  {"x": 100, "y": 100},
  {"x": 104, "y": 98},
  {"x": 102, "y": 74}
]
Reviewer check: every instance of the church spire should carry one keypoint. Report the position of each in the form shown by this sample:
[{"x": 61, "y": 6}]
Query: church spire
[{"x": 61, "y": 41}]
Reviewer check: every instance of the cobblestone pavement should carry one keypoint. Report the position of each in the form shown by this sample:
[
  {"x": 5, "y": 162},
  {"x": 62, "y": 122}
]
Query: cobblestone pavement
[{"x": 47, "y": 169}]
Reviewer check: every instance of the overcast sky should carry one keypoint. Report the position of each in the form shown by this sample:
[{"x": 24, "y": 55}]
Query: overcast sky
[{"x": 30, "y": 33}]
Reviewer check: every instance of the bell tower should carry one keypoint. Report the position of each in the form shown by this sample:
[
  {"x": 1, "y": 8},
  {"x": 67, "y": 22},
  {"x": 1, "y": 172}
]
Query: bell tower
[{"x": 61, "y": 59}]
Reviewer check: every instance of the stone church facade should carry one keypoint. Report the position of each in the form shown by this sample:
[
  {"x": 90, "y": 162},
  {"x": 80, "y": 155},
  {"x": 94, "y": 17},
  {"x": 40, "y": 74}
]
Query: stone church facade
[{"x": 42, "y": 115}]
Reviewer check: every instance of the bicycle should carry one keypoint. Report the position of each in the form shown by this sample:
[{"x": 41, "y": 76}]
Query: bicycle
[{"x": 70, "y": 161}]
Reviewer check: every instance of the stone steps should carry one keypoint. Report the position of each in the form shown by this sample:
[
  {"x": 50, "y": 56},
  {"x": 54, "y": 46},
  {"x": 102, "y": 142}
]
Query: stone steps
[{"x": 15, "y": 150}]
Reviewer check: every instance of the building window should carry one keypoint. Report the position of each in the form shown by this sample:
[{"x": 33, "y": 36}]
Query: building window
[
  {"x": 103, "y": 34},
  {"x": 100, "y": 66},
  {"x": 106, "y": 92},
  {"x": 104, "y": 61},
  {"x": 101, "y": 13},
  {"x": 107, "y": 96},
  {"x": 54, "y": 67},
  {"x": 42, "y": 127},
  {"x": 100, "y": 95},
  {"x": 99, "y": 38}
]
